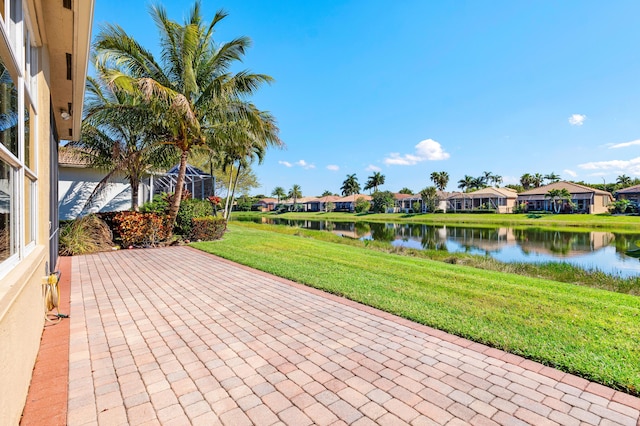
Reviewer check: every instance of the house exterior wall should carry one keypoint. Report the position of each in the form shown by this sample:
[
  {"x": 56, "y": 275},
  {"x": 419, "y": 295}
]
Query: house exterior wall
[
  {"x": 27, "y": 170},
  {"x": 76, "y": 184}
]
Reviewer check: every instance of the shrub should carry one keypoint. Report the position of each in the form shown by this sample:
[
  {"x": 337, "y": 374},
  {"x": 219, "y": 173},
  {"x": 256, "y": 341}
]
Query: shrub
[
  {"x": 159, "y": 205},
  {"x": 88, "y": 234},
  {"x": 190, "y": 209},
  {"x": 362, "y": 205},
  {"x": 416, "y": 207},
  {"x": 208, "y": 228},
  {"x": 140, "y": 229},
  {"x": 382, "y": 200}
]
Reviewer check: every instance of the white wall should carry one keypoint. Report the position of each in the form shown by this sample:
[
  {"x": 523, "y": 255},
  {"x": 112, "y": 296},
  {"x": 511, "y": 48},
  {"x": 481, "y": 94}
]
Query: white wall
[{"x": 76, "y": 185}]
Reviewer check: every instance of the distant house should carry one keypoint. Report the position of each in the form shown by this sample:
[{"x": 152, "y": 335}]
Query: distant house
[
  {"x": 586, "y": 199},
  {"x": 265, "y": 205},
  {"x": 347, "y": 204},
  {"x": 320, "y": 204},
  {"x": 502, "y": 200},
  {"x": 631, "y": 193},
  {"x": 405, "y": 202}
]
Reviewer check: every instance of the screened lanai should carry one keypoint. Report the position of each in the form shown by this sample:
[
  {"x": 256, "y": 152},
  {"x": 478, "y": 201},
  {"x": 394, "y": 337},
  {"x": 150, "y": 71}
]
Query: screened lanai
[{"x": 197, "y": 182}]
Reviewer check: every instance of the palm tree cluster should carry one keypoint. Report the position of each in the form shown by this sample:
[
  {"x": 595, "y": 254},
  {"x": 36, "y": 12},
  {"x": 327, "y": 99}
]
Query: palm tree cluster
[
  {"x": 374, "y": 181},
  {"x": 469, "y": 183},
  {"x": 187, "y": 99},
  {"x": 536, "y": 180}
]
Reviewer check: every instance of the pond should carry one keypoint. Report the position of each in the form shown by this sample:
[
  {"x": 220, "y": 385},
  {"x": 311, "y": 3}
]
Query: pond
[{"x": 606, "y": 251}]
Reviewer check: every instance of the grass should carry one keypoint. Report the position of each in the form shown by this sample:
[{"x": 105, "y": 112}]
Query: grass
[
  {"x": 86, "y": 235},
  {"x": 557, "y": 271},
  {"x": 572, "y": 221},
  {"x": 580, "y": 330}
]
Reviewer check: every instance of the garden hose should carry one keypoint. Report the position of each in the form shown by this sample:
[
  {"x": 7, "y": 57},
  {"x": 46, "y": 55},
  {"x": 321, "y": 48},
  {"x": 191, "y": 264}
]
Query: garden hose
[{"x": 51, "y": 292}]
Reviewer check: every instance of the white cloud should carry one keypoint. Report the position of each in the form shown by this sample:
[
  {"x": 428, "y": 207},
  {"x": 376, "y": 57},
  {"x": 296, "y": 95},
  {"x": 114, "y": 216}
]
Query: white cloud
[
  {"x": 426, "y": 150},
  {"x": 624, "y": 144},
  {"x": 333, "y": 167},
  {"x": 372, "y": 168},
  {"x": 285, "y": 163},
  {"x": 305, "y": 165},
  {"x": 577, "y": 119},
  {"x": 619, "y": 166},
  {"x": 570, "y": 172}
]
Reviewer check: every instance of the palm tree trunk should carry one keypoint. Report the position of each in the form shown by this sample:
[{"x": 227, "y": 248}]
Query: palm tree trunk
[
  {"x": 226, "y": 202},
  {"x": 135, "y": 185},
  {"x": 233, "y": 191},
  {"x": 177, "y": 196}
]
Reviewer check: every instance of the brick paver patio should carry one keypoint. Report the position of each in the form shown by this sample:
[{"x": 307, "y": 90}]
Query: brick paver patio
[{"x": 174, "y": 336}]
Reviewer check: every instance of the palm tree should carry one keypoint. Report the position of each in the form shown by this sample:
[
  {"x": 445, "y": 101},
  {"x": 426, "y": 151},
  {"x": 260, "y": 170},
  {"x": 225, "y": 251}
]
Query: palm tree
[
  {"x": 295, "y": 192},
  {"x": 326, "y": 193},
  {"x": 536, "y": 180},
  {"x": 552, "y": 177},
  {"x": 429, "y": 197},
  {"x": 466, "y": 183},
  {"x": 623, "y": 180},
  {"x": 350, "y": 186},
  {"x": 557, "y": 196},
  {"x": 440, "y": 180},
  {"x": 525, "y": 181},
  {"x": 486, "y": 178},
  {"x": 117, "y": 136},
  {"x": 375, "y": 180},
  {"x": 497, "y": 180},
  {"x": 191, "y": 89},
  {"x": 279, "y": 193},
  {"x": 405, "y": 190},
  {"x": 478, "y": 183}
]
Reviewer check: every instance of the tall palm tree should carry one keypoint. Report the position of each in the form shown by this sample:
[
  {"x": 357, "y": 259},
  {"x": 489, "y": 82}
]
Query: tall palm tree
[
  {"x": 191, "y": 89},
  {"x": 497, "y": 180},
  {"x": 487, "y": 178},
  {"x": 350, "y": 186},
  {"x": 478, "y": 183},
  {"x": 466, "y": 183},
  {"x": 295, "y": 192},
  {"x": 440, "y": 180},
  {"x": 536, "y": 180},
  {"x": 623, "y": 180},
  {"x": 525, "y": 181},
  {"x": 552, "y": 177},
  {"x": 118, "y": 136},
  {"x": 279, "y": 193},
  {"x": 375, "y": 180}
]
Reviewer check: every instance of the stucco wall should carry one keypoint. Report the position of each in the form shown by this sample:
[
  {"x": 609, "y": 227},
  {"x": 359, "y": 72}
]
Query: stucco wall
[
  {"x": 76, "y": 185},
  {"x": 21, "y": 322}
]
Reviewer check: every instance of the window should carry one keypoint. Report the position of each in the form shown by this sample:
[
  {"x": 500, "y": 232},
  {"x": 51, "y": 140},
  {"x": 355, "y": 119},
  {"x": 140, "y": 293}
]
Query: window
[
  {"x": 8, "y": 111},
  {"x": 7, "y": 218},
  {"x": 29, "y": 217}
]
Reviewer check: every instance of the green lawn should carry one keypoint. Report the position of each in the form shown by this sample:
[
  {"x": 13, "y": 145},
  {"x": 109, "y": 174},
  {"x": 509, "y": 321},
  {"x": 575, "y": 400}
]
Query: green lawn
[
  {"x": 587, "y": 221},
  {"x": 589, "y": 332}
]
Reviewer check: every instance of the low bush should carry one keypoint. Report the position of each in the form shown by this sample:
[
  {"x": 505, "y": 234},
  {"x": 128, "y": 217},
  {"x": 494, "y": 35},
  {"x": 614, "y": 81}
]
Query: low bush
[
  {"x": 159, "y": 205},
  {"x": 189, "y": 210},
  {"x": 140, "y": 229},
  {"x": 88, "y": 234},
  {"x": 208, "y": 228},
  {"x": 362, "y": 205}
]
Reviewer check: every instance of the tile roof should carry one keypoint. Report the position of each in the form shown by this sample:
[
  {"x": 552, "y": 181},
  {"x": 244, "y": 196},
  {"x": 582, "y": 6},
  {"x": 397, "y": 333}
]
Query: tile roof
[{"x": 573, "y": 188}]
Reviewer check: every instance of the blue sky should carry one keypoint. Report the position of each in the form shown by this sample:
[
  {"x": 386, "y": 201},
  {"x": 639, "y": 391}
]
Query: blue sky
[{"x": 411, "y": 87}]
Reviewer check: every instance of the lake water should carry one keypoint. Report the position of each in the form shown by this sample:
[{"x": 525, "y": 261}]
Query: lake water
[{"x": 606, "y": 251}]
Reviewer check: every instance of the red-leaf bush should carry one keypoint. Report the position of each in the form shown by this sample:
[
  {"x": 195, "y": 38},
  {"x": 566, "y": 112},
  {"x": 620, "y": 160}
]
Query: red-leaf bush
[
  {"x": 207, "y": 228},
  {"x": 140, "y": 229}
]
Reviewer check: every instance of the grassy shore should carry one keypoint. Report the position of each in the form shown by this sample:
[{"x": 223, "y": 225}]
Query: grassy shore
[
  {"x": 557, "y": 271},
  {"x": 588, "y": 332},
  {"x": 572, "y": 221}
]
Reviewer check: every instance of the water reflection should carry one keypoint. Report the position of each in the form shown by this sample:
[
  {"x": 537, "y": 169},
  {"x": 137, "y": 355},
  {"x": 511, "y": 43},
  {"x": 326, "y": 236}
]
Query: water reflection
[{"x": 610, "y": 252}]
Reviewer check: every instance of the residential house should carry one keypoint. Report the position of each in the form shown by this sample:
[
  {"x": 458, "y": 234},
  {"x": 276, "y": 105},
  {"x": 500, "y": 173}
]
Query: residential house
[
  {"x": 631, "y": 193},
  {"x": 265, "y": 205},
  {"x": 320, "y": 204},
  {"x": 585, "y": 199},
  {"x": 502, "y": 200},
  {"x": 44, "y": 50},
  {"x": 347, "y": 204}
]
